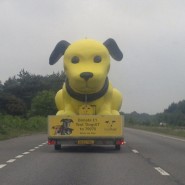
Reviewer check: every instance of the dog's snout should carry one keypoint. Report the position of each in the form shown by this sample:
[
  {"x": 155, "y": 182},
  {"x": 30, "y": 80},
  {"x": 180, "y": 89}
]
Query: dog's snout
[{"x": 86, "y": 75}]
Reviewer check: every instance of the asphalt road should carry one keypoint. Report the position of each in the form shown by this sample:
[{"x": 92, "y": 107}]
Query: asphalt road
[{"x": 146, "y": 159}]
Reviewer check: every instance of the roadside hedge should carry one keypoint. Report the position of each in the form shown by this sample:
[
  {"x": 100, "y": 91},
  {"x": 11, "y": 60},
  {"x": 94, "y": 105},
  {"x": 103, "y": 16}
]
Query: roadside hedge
[{"x": 13, "y": 126}]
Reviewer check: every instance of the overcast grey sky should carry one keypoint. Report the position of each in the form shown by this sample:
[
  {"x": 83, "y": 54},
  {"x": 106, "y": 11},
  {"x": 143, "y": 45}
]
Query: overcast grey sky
[{"x": 151, "y": 34}]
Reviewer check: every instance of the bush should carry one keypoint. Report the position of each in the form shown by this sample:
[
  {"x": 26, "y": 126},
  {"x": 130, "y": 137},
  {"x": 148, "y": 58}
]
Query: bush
[
  {"x": 43, "y": 104},
  {"x": 36, "y": 123},
  {"x": 12, "y": 105},
  {"x": 12, "y": 126}
]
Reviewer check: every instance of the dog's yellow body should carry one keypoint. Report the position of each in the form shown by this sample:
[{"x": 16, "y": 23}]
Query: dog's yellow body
[{"x": 87, "y": 89}]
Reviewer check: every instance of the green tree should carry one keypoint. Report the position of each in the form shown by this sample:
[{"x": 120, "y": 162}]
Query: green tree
[
  {"x": 54, "y": 81},
  {"x": 11, "y": 86},
  {"x": 14, "y": 105},
  {"x": 172, "y": 108},
  {"x": 2, "y": 102},
  {"x": 26, "y": 85},
  {"x": 43, "y": 104},
  {"x": 181, "y": 106},
  {"x": 1, "y": 86},
  {"x": 174, "y": 114}
]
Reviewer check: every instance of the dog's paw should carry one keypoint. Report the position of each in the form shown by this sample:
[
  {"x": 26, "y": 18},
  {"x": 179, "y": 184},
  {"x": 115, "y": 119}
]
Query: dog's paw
[
  {"x": 111, "y": 112},
  {"x": 115, "y": 112},
  {"x": 66, "y": 113},
  {"x": 105, "y": 112}
]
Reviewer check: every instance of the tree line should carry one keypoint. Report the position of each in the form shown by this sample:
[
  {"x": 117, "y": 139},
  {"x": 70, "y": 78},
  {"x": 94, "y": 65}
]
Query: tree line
[
  {"x": 174, "y": 115},
  {"x": 30, "y": 95}
]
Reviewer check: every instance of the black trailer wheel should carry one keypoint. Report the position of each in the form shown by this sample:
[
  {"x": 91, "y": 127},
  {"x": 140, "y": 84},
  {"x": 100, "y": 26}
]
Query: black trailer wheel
[
  {"x": 57, "y": 147},
  {"x": 117, "y": 147}
]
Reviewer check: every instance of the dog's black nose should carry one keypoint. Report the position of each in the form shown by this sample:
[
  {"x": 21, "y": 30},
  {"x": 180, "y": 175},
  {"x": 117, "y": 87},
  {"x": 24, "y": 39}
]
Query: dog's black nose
[{"x": 86, "y": 75}]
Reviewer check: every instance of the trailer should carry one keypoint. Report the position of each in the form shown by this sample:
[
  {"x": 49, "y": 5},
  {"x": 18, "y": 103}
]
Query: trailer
[{"x": 85, "y": 130}]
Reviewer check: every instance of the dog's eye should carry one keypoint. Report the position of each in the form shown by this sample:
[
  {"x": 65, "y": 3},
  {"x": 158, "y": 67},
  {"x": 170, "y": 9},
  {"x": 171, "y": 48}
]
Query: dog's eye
[
  {"x": 75, "y": 60},
  {"x": 97, "y": 59}
]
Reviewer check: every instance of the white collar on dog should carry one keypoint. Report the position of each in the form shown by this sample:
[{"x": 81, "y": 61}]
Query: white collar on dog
[{"x": 87, "y": 97}]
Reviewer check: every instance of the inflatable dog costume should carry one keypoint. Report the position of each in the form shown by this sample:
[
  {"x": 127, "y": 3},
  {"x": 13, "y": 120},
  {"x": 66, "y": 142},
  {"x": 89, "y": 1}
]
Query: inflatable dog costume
[{"x": 87, "y": 89}]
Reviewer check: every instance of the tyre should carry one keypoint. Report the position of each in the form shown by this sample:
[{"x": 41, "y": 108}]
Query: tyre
[
  {"x": 117, "y": 147},
  {"x": 57, "y": 147}
]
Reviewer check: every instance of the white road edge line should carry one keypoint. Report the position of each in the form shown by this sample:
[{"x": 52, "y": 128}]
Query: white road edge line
[
  {"x": 161, "y": 171},
  {"x": 135, "y": 151},
  {"x": 169, "y": 137},
  {"x": 2, "y": 165},
  {"x": 163, "y": 135}
]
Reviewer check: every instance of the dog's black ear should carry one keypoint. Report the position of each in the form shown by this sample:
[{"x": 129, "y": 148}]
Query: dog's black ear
[
  {"x": 113, "y": 49},
  {"x": 58, "y": 51}
]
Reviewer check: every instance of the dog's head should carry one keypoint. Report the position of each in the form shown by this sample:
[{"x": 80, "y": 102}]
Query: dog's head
[{"x": 86, "y": 62}]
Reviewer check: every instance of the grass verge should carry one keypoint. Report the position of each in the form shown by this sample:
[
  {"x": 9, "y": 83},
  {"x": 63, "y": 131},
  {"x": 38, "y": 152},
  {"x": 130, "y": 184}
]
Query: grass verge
[
  {"x": 171, "y": 131},
  {"x": 14, "y": 126}
]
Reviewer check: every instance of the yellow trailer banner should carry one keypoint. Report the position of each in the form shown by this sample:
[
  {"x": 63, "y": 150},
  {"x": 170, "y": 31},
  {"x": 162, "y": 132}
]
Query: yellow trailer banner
[{"x": 85, "y": 125}]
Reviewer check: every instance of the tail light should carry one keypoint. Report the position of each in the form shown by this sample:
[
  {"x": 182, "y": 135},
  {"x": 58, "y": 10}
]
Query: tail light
[
  {"x": 120, "y": 142},
  {"x": 51, "y": 142}
]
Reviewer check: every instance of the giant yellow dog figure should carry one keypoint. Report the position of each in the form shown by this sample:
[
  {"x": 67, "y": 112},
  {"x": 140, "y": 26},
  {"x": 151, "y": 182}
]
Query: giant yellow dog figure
[{"x": 87, "y": 89}]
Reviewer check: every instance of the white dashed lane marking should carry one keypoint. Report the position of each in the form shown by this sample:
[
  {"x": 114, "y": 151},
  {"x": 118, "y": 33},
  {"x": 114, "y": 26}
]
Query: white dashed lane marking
[
  {"x": 135, "y": 151},
  {"x": 2, "y": 165},
  {"x": 19, "y": 156},
  {"x": 161, "y": 171},
  {"x": 11, "y": 160},
  {"x": 22, "y": 155},
  {"x": 31, "y": 150},
  {"x": 25, "y": 153}
]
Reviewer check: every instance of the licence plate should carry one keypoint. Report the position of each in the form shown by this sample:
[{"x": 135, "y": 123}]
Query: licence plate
[{"x": 85, "y": 142}]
